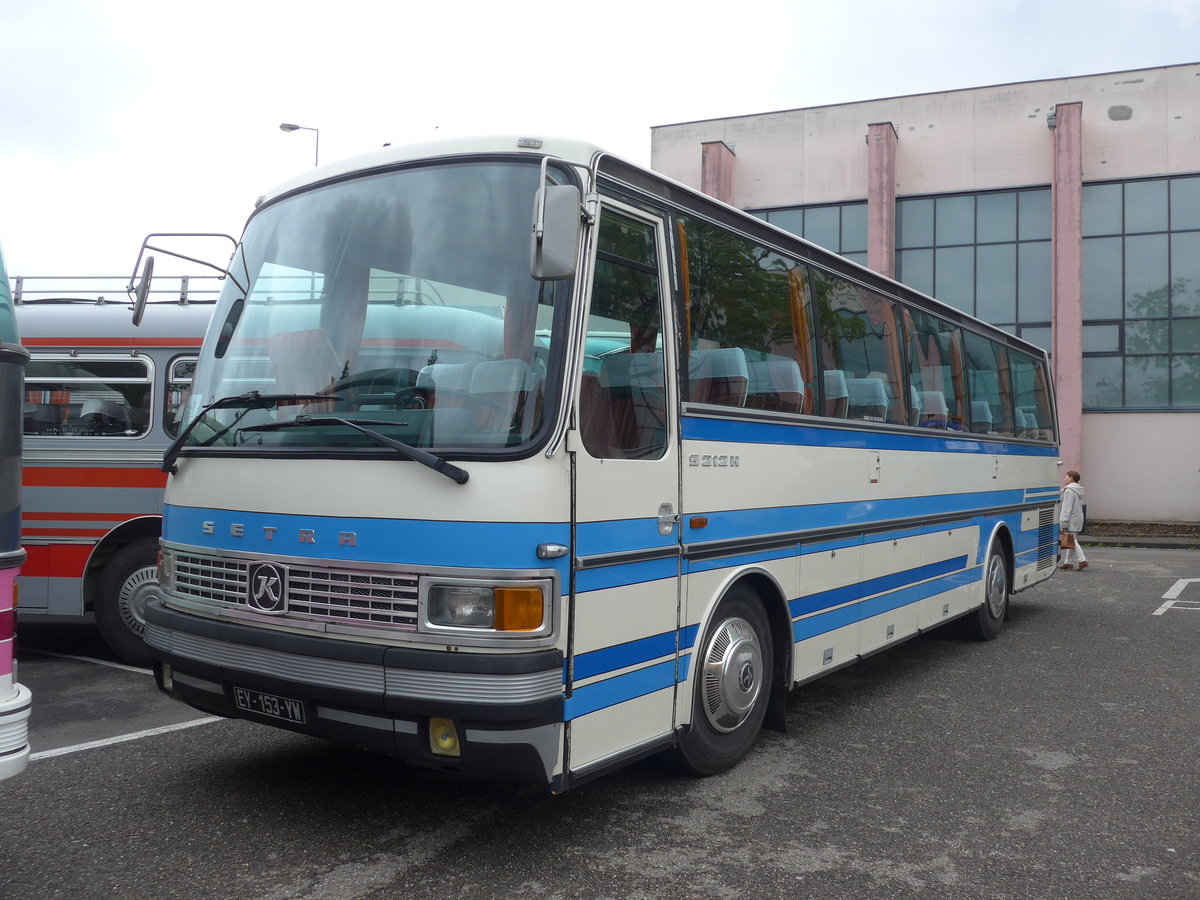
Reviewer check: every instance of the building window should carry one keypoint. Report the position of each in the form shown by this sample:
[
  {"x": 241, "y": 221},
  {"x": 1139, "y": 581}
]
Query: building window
[
  {"x": 840, "y": 227},
  {"x": 985, "y": 254},
  {"x": 1141, "y": 294}
]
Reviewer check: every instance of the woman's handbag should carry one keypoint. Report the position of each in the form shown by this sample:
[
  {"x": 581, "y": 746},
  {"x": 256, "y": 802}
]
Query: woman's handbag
[{"x": 1066, "y": 541}]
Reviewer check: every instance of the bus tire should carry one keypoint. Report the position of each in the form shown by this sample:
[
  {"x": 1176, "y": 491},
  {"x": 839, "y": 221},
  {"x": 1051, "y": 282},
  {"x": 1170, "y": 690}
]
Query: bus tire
[
  {"x": 732, "y": 686},
  {"x": 987, "y": 621},
  {"x": 127, "y": 583}
]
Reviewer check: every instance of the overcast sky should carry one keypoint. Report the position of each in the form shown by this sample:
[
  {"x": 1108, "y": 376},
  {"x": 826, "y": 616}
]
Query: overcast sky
[{"x": 122, "y": 117}]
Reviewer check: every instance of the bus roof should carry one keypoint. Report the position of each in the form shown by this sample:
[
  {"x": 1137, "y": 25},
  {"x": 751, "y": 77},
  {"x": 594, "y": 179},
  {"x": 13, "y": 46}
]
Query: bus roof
[
  {"x": 86, "y": 324},
  {"x": 580, "y": 152}
]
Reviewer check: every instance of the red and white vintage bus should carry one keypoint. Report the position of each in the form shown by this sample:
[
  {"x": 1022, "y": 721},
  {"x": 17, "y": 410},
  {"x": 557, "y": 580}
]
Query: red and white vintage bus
[{"x": 99, "y": 408}]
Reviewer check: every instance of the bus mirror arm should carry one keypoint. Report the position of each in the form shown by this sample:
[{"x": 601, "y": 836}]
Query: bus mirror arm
[{"x": 141, "y": 293}]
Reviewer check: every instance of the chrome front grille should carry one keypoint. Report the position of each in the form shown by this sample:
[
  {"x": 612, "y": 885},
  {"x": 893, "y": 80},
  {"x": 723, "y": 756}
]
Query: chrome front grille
[
  {"x": 340, "y": 595},
  {"x": 355, "y": 596}
]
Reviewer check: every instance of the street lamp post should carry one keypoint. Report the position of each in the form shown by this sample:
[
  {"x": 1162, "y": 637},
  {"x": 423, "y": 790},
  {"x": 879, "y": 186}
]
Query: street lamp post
[{"x": 288, "y": 126}]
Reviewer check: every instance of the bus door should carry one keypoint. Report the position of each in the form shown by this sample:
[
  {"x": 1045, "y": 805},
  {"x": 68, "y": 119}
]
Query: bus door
[{"x": 627, "y": 546}]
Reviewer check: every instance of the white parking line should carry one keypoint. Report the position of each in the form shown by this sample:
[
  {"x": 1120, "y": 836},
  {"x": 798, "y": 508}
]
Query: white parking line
[
  {"x": 122, "y": 738},
  {"x": 1172, "y": 595},
  {"x": 99, "y": 662}
]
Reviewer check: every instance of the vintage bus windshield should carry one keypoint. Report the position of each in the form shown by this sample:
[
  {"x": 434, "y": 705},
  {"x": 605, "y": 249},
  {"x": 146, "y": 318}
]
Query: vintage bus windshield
[{"x": 405, "y": 297}]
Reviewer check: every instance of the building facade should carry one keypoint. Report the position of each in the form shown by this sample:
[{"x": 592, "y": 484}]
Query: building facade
[{"x": 1066, "y": 211}]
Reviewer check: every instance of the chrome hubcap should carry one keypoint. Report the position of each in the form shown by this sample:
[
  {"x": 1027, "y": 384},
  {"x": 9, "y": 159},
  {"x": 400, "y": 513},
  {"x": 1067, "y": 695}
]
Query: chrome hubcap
[
  {"x": 733, "y": 674},
  {"x": 997, "y": 587},
  {"x": 136, "y": 592}
]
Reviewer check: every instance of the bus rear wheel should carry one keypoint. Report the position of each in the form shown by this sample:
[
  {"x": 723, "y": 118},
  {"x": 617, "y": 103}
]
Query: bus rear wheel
[
  {"x": 987, "y": 621},
  {"x": 731, "y": 686},
  {"x": 129, "y": 581}
]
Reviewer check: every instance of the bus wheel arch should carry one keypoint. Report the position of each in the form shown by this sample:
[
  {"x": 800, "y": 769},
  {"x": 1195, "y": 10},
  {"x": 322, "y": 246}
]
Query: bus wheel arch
[
  {"x": 738, "y": 678},
  {"x": 120, "y": 578}
]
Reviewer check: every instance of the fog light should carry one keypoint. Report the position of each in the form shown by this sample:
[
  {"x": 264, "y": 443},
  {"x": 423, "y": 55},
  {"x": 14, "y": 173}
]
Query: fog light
[
  {"x": 168, "y": 682},
  {"x": 443, "y": 737}
]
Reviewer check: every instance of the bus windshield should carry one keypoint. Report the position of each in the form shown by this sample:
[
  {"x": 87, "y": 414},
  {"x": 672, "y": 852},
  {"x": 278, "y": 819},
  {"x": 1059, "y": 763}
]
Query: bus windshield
[{"x": 405, "y": 299}]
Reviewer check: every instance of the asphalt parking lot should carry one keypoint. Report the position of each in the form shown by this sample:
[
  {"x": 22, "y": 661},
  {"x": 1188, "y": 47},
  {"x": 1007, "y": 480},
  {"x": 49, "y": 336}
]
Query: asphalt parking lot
[{"x": 1060, "y": 760}]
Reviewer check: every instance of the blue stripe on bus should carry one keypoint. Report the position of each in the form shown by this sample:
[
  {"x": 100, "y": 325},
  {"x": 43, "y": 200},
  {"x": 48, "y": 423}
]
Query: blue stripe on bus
[
  {"x": 823, "y": 623},
  {"x": 733, "y": 524},
  {"x": 739, "y": 432},
  {"x": 883, "y": 584},
  {"x": 626, "y": 574},
  {"x": 620, "y": 689},
  {"x": 632, "y": 653},
  {"x": 486, "y": 545},
  {"x": 621, "y": 535}
]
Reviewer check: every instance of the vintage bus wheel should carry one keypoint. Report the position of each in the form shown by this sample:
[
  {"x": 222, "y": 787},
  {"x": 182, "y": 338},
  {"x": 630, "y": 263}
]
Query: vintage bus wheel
[
  {"x": 989, "y": 618},
  {"x": 732, "y": 684},
  {"x": 127, "y": 583}
]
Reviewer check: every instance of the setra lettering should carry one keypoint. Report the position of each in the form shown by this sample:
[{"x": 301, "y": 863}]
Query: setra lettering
[
  {"x": 308, "y": 536},
  {"x": 269, "y": 532}
]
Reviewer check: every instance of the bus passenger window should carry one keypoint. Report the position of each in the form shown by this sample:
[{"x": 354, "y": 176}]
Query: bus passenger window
[
  {"x": 1031, "y": 398},
  {"x": 748, "y": 320},
  {"x": 178, "y": 387},
  {"x": 87, "y": 397},
  {"x": 860, "y": 353},
  {"x": 936, "y": 371},
  {"x": 990, "y": 385}
]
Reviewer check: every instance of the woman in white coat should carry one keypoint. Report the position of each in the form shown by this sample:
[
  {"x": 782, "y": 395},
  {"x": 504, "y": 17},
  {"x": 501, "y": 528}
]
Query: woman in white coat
[{"x": 1070, "y": 521}]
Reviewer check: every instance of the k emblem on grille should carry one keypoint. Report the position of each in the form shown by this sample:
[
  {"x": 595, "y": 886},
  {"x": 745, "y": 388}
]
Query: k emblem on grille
[{"x": 267, "y": 590}]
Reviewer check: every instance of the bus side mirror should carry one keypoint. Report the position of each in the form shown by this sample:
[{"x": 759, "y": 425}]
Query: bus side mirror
[
  {"x": 142, "y": 291},
  {"x": 554, "y": 242}
]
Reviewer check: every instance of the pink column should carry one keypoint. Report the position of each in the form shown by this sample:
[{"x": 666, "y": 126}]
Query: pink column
[
  {"x": 716, "y": 170},
  {"x": 1066, "y": 312},
  {"x": 881, "y": 198}
]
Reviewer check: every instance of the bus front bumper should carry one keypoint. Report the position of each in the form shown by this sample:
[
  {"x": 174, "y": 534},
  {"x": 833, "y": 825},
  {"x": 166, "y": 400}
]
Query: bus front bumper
[{"x": 506, "y": 709}]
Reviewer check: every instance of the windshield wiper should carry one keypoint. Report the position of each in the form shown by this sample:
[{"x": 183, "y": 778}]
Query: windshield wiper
[
  {"x": 443, "y": 466},
  {"x": 250, "y": 400}
]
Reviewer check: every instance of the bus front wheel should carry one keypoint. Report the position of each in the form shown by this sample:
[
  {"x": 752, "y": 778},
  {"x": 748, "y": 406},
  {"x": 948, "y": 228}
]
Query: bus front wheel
[
  {"x": 732, "y": 685},
  {"x": 128, "y": 582}
]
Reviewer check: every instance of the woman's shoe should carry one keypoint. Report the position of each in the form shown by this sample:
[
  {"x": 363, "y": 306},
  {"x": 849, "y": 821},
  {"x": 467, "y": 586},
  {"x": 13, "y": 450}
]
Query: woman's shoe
[
  {"x": 1082, "y": 566},
  {"x": 1066, "y": 567}
]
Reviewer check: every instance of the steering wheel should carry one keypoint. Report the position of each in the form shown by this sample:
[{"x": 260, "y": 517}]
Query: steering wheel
[
  {"x": 383, "y": 380},
  {"x": 418, "y": 398}
]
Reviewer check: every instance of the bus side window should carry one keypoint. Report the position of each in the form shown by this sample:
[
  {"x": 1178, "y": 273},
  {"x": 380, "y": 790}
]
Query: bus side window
[
  {"x": 179, "y": 385},
  {"x": 936, "y": 371},
  {"x": 623, "y": 406},
  {"x": 860, "y": 353},
  {"x": 748, "y": 320},
  {"x": 991, "y": 386},
  {"x": 1031, "y": 398},
  {"x": 87, "y": 396}
]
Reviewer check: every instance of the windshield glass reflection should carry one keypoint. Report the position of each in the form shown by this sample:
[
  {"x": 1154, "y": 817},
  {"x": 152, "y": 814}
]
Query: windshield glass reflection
[{"x": 405, "y": 298}]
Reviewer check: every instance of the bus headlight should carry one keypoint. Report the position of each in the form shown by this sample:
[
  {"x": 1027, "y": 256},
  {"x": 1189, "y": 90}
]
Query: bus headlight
[{"x": 474, "y": 606}]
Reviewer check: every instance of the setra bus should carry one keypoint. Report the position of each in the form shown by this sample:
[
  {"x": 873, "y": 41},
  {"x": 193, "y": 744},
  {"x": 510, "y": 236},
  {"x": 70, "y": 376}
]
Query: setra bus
[
  {"x": 99, "y": 411},
  {"x": 513, "y": 459},
  {"x": 15, "y": 698}
]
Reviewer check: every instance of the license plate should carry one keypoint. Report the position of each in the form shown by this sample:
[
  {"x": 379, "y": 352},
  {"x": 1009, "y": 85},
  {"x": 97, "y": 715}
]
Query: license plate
[{"x": 269, "y": 705}]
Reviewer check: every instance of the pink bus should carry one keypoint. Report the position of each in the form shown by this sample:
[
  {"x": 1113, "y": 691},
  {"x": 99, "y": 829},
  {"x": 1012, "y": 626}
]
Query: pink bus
[{"x": 14, "y": 697}]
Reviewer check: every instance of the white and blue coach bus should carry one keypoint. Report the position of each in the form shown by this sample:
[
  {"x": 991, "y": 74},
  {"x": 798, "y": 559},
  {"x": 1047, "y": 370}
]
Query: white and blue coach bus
[{"x": 533, "y": 502}]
